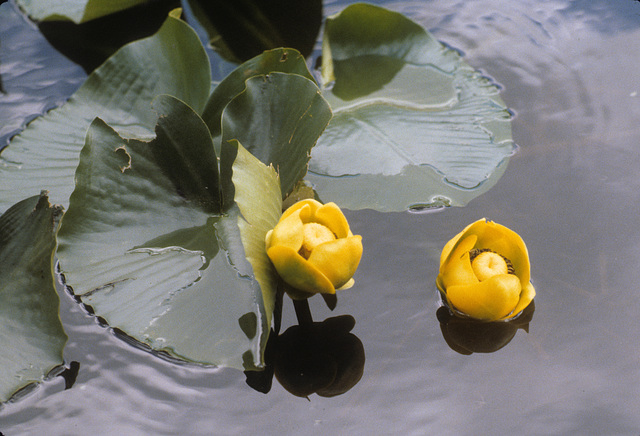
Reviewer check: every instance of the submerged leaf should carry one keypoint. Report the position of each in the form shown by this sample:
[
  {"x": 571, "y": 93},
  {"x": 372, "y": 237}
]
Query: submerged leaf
[
  {"x": 147, "y": 244},
  {"x": 413, "y": 124},
  {"x": 45, "y": 154},
  {"x": 31, "y": 334}
]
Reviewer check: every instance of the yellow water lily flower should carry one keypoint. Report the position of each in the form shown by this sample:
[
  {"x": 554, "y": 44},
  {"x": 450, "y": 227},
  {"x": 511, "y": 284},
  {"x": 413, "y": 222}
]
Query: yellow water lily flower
[
  {"x": 313, "y": 249},
  {"x": 485, "y": 272}
]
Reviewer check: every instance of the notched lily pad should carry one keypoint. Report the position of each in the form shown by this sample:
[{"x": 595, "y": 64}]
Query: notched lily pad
[
  {"x": 31, "y": 334},
  {"x": 413, "y": 124},
  {"x": 156, "y": 250}
]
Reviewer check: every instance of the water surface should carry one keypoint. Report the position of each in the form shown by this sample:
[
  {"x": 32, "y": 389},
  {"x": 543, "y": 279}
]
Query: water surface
[{"x": 569, "y": 72}]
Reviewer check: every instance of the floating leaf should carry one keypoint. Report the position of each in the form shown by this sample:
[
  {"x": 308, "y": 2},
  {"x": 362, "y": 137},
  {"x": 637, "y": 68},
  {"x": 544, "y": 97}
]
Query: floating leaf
[
  {"x": 77, "y": 11},
  {"x": 120, "y": 91},
  {"x": 147, "y": 245},
  {"x": 413, "y": 124},
  {"x": 31, "y": 334}
]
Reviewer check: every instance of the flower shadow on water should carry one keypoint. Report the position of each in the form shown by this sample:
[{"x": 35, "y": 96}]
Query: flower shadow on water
[
  {"x": 468, "y": 336},
  {"x": 322, "y": 357}
]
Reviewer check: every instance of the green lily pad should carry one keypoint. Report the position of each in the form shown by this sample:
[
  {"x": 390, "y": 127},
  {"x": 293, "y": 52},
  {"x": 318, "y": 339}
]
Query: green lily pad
[
  {"x": 283, "y": 60},
  {"x": 413, "y": 126},
  {"x": 77, "y": 11},
  {"x": 45, "y": 155},
  {"x": 153, "y": 246},
  {"x": 291, "y": 113},
  {"x": 31, "y": 335}
]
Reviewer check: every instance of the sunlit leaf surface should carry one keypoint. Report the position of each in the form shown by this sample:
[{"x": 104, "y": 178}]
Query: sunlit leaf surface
[
  {"x": 45, "y": 154},
  {"x": 413, "y": 124},
  {"x": 77, "y": 11},
  {"x": 147, "y": 244},
  {"x": 31, "y": 334}
]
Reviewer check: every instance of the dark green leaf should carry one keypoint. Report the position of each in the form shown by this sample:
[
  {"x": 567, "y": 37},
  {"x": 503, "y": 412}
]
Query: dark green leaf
[
  {"x": 31, "y": 334},
  {"x": 278, "y": 118},
  {"x": 282, "y": 60}
]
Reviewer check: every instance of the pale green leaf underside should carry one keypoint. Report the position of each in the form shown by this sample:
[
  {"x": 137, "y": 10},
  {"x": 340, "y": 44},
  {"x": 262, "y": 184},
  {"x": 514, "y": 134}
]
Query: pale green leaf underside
[
  {"x": 45, "y": 154},
  {"x": 257, "y": 184},
  {"x": 154, "y": 255},
  {"x": 31, "y": 334},
  {"x": 413, "y": 123},
  {"x": 77, "y": 11}
]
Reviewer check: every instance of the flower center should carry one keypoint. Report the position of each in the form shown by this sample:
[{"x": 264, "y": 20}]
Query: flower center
[
  {"x": 486, "y": 264},
  {"x": 314, "y": 235}
]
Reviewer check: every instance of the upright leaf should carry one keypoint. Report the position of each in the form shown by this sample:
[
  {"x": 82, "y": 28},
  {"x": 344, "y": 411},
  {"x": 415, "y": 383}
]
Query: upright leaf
[
  {"x": 278, "y": 118},
  {"x": 283, "y": 60},
  {"x": 31, "y": 334},
  {"x": 413, "y": 124}
]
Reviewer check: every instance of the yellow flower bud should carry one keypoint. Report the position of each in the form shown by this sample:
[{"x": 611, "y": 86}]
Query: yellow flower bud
[
  {"x": 313, "y": 249},
  {"x": 485, "y": 272}
]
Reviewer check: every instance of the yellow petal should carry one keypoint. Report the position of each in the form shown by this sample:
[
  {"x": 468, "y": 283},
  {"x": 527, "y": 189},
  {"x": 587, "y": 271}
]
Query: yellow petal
[
  {"x": 298, "y": 272},
  {"x": 489, "y": 300},
  {"x": 448, "y": 247},
  {"x": 526, "y": 297},
  {"x": 307, "y": 206},
  {"x": 267, "y": 238},
  {"x": 504, "y": 241},
  {"x": 287, "y": 233},
  {"x": 347, "y": 285},
  {"x": 332, "y": 217},
  {"x": 339, "y": 259},
  {"x": 457, "y": 268}
]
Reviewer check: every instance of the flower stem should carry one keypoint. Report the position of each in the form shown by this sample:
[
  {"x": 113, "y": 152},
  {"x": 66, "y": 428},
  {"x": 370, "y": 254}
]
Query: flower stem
[{"x": 303, "y": 313}]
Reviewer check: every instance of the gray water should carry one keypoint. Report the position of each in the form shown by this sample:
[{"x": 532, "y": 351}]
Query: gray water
[{"x": 569, "y": 71}]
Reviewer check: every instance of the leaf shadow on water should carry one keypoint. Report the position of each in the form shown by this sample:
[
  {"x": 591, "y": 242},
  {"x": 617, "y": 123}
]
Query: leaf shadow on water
[
  {"x": 242, "y": 29},
  {"x": 90, "y": 43}
]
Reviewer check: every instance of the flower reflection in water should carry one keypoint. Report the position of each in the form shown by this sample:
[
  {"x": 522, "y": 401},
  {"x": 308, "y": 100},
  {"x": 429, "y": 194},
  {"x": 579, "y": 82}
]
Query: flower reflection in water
[
  {"x": 467, "y": 335},
  {"x": 317, "y": 357}
]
